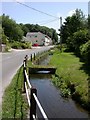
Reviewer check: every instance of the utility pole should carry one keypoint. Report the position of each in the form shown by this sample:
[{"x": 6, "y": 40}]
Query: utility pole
[{"x": 60, "y": 37}]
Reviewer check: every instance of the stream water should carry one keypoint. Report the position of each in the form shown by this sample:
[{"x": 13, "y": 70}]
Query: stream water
[{"x": 53, "y": 103}]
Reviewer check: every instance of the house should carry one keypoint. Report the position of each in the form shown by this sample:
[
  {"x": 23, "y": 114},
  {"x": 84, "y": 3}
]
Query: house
[{"x": 38, "y": 38}]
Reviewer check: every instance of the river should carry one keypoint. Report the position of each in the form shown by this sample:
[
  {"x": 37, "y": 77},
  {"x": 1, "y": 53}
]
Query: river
[{"x": 53, "y": 103}]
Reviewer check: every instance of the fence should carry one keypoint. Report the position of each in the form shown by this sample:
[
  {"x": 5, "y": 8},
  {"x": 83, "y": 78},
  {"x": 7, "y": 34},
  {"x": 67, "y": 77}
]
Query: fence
[{"x": 31, "y": 94}]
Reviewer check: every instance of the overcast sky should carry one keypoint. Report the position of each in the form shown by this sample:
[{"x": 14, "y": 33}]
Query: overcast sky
[{"x": 22, "y": 14}]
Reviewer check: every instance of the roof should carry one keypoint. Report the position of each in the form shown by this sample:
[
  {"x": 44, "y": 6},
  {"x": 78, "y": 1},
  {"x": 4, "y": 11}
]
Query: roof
[{"x": 34, "y": 33}]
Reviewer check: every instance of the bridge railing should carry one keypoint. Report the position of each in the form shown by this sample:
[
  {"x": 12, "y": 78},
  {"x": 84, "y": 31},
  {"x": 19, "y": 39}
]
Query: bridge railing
[{"x": 31, "y": 94}]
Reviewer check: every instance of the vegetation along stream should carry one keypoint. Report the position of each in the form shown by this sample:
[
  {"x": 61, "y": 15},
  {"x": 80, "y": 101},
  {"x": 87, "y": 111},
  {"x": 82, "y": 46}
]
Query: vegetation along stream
[{"x": 54, "y": 104}]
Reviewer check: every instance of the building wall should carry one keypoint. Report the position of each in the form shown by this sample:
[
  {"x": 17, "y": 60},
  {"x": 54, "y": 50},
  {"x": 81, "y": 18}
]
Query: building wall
[
  {"x": 38, "y": 38},
  {"x": 47, "y": 41}
]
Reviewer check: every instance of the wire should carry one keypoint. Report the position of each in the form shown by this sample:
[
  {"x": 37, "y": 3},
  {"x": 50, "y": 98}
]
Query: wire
[
  {"x": 41, "y": 22},
  {"x": 36, "y": 10},
  {"x": 49, "y": 21}
]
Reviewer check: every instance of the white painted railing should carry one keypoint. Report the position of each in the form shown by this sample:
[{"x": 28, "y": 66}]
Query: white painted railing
[{"x": 31, "y": 94}]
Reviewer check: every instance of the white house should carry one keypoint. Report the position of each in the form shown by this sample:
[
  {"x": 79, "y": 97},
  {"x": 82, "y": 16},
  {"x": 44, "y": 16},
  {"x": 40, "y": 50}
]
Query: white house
[{"x": 38, "y": 38}]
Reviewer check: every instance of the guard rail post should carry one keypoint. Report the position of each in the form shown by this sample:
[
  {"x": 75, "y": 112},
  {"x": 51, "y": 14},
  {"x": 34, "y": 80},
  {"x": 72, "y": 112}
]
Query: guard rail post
[
  {"x": 34, "y": 56},
  {"x": 24, "y": 68},
  {"x": 31, "y": 57},
  {"x": 33, "y": 103}
]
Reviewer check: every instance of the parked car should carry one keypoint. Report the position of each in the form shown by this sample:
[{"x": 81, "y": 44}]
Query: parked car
[{"x": 35, "y": 45}]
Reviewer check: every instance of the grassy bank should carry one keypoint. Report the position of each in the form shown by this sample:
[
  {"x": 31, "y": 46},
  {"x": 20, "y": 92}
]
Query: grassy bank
[
  {"x": 70, "y": 77},
  {"x": 14, "y": 105}
]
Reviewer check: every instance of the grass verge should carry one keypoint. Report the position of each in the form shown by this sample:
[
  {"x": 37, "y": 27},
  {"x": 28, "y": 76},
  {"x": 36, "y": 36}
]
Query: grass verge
[
  {"x": 14, "y": 104},
  {"x": 70, "y": 78}
]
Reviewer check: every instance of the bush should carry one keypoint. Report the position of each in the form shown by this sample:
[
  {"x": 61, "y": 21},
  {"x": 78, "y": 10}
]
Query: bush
[
  {"x": 85, "y": 52},
  {"x": 7, "y": 48},
  {"x": 76, "y": 40},
  {"x": 28, "y": 44},
  {"x": 16, "y": 45},
  {"x": 80, "y": 37},
  {"x": 21, "y": 45}
]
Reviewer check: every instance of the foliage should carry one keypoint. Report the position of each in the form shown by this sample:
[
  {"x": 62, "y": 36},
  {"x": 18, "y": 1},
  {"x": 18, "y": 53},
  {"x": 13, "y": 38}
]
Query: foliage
[
  {"x": 74, "y": 42},
  {"x": 85, "y": 52},
  {"x": 7, "y": 48},
  {"x": 11, "y": 29},
  {"x": 72, "y": 24},
  {"x": 54, "y": 36},
  {"x": 15, "y": 31},
  {"x": 79, "y": 38},
  {"x": 75, "y": 32},
  {"x": 65, "y": 92},
  {"x": 26, "y": 45},
  {"x": 4, "y": 38},
  {"x": 89, "y": 22},
  {"x": 21, "y": 45},
  {"x": 16, "y": 45},
  {"x": 24, "y": 28},
  {"x": 14, "y": 104},
  {"x": 70, "y": 78}
]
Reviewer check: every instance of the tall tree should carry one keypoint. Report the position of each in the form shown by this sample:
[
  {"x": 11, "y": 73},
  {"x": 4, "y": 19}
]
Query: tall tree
[
  {"x": 24, "y": 28},
  {"x": 11, "y": 29},
  {"x": 72, "y": 24}
]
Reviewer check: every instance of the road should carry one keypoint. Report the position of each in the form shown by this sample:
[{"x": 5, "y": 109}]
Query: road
[{"x": 10, "y": 63}]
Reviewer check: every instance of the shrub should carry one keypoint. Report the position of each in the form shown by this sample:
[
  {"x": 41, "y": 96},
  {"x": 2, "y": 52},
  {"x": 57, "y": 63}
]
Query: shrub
[
  {"x": 23, "y": 45},
  {"x": 7, "y": 48},
  {"x": 76, "y": 40},
  {"x": 85, "y": 51},
  {"x": 79, "y": 38},
  {"x": 15, "y": 45}
]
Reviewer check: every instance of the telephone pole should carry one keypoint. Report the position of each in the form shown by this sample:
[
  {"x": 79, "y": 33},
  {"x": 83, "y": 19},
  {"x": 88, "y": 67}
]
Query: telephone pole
[{"x": 60, "y": 32}]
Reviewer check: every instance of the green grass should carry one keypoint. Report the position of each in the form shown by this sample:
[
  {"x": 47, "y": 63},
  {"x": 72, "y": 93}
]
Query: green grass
[
  {"x": 69, "y": 71},
  {"x": 14, "y": 104}
]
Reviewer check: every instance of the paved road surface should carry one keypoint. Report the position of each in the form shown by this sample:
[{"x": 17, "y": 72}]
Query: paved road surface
[{"x": 9, "y": 64}]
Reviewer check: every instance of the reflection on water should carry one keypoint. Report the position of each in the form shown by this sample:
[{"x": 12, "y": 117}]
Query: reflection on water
[{"x": 54, "y": 105}]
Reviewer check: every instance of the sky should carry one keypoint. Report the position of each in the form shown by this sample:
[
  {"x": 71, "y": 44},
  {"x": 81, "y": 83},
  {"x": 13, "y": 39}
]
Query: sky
[{"x": 22, "y": 14}]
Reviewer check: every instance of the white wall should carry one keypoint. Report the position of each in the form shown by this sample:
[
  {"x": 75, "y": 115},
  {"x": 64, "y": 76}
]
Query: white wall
[{"x": 37, "y": 37}]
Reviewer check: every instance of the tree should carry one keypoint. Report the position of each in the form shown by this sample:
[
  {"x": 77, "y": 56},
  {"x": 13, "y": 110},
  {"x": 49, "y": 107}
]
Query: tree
[
  {"x": 85, "y": 52},
  {"x": 54, "y": 36},
  {"x": 72, "y": 24},
  {"x": 24, "y": 28},
  {"x": 3, "y": 37},
  {"x": 80, "y": 37},
  {"x": 16, "y": 31},
  {"x": 89, "y": 24},
  {"x": 11, "y": 29}
]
